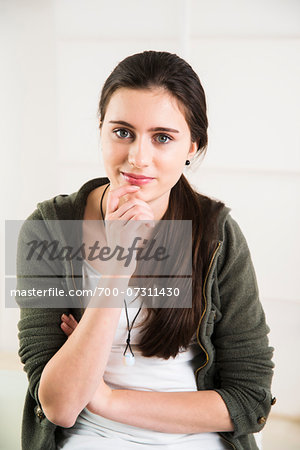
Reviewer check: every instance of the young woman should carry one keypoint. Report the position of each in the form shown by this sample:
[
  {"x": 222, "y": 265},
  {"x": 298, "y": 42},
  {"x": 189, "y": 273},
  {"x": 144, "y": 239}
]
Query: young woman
[{"x": 201, "y": 375}]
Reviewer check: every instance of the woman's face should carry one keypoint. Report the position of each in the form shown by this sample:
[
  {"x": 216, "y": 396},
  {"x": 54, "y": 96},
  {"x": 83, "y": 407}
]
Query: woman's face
[{"x": 144, "y": 133}]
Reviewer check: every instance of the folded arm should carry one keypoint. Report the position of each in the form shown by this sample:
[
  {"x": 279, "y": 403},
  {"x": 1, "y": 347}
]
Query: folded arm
[{"x": 168, "y": 412}]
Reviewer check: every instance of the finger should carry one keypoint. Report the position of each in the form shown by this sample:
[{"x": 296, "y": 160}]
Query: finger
[
  {"x": 120, "y": 211},
  {"x": 72, "y": 322},
  {"x": 114, "y": 196},
  {"x": 128, "y": 209},
  {"x": 134, "y": 202},
  {"x": 69, "y": 320},
  {"x": 73, "y": 319},
  {"x": 137, "y": 213},
  {"x": 66, "y": 329}
]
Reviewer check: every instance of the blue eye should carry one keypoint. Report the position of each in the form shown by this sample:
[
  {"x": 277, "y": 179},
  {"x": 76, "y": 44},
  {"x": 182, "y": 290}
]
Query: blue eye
[
  {"x": 123, "y": 133},
  {"x": 165, "y": 139}
]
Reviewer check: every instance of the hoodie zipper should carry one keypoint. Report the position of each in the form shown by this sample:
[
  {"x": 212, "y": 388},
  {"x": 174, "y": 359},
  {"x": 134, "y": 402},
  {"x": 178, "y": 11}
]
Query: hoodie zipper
[
  {"x": 75, "y": 287},
  {"x": 202, "y": 315},
  {"x": 205, "y": 307},
  {"x": 228, "y": 442}
]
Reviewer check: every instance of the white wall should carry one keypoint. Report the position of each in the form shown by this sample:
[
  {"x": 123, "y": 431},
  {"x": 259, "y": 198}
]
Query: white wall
[{"x": 57, "y": 55}]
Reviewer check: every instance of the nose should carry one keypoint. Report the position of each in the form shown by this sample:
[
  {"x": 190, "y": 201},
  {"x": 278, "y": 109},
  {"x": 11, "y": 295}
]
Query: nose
[{"x": 140, "y": 153}]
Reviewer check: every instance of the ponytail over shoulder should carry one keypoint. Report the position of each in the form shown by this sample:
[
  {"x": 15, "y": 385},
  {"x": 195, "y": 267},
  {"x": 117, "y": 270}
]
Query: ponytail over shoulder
[{"x": 167, "y": 330}]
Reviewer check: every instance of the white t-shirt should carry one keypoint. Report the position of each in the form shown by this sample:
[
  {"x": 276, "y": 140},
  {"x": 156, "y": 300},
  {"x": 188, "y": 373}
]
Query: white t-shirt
[{"x": 92, "y": 431}]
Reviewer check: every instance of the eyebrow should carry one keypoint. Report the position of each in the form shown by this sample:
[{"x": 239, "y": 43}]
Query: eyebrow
[{"x": 126, "y": 124}]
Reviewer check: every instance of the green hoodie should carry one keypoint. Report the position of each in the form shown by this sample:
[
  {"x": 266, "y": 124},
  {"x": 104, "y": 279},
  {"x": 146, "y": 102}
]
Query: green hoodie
[{"x": 235, "y": 357}]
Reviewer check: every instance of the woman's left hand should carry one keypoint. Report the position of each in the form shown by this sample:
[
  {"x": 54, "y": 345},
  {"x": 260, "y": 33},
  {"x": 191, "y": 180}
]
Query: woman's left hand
[
  {"x": 68, "y": 324},
  {"x": 99, "y": 402}
]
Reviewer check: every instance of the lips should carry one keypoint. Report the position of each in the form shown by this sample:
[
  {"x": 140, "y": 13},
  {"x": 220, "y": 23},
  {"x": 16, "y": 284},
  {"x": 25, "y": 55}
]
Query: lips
[
  {"x": 135, "y": 179},
  {"x": 138, "y": 177}
]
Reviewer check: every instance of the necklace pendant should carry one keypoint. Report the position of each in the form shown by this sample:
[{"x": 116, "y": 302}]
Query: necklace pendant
[{"x": 129, "y": 360}]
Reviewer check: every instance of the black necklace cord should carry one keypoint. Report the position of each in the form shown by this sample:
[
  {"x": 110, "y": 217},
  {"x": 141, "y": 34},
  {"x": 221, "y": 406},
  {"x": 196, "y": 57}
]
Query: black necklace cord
[
  {"x": 129, "y": 329},
  {"x": 101, "y": 203}
]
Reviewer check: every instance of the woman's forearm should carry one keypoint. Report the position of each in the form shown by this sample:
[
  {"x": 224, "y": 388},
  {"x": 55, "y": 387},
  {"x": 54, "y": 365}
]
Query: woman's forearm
[
  {"x": 71, "y": 377},
  {"x": 169, "y": 412}
]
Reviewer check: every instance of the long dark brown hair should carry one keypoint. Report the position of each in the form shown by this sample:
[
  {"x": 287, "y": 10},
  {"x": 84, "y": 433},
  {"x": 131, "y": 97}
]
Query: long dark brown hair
[{"x": 165, "y": 331}]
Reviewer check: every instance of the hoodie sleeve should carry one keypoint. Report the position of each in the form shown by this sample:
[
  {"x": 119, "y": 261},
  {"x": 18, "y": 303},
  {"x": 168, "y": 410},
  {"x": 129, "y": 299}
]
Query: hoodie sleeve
[
  {"x": 243, "y": 356},
  {"x": 40, "y": 335}
]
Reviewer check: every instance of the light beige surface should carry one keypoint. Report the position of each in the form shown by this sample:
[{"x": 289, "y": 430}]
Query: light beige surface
[
  {"x": 281, "y": 434},
  {"x": 10, "y": 361}
]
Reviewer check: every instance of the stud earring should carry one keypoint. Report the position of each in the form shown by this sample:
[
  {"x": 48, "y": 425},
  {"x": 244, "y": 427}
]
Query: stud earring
[{"x": 188, "y": 162}]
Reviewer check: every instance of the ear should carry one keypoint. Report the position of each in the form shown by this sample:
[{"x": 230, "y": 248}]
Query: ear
[{"x": 193, "y": 149}]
